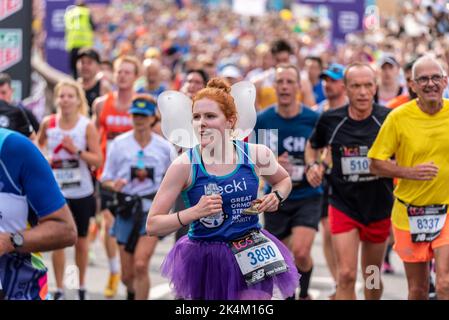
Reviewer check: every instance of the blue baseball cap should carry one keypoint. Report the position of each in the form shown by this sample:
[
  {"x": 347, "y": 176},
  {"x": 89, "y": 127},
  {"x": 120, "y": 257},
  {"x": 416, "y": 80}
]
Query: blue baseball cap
[
  {"x": 335, "y": 71},
  {"x": 143, "y": 107}
]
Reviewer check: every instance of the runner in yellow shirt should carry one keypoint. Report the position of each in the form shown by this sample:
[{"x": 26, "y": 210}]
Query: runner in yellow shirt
[{"x": 417, "y": 135}]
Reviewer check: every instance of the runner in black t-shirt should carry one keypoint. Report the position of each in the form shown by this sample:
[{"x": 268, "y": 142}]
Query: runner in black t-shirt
[
  {"x": 90, "y": 76},
  {"x": 360, "y": 203},
  {"x": 335, "y": 92}
]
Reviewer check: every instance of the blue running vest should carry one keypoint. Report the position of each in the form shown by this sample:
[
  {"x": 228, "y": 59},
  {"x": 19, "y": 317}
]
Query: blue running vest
[{"x": 238, "y": 189}]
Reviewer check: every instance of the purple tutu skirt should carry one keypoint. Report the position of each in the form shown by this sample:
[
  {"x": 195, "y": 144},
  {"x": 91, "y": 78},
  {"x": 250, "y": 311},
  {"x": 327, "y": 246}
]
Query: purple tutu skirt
[{"x": 202, "y": 270}]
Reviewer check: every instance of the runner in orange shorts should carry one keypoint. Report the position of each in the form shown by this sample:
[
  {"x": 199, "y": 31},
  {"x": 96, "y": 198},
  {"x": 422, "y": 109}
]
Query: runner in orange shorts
[{"x": 416, "y": 133}]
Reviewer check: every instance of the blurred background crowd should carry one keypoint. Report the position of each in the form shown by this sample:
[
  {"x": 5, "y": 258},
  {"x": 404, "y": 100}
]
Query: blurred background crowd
[{"x": 223, "y": 40}]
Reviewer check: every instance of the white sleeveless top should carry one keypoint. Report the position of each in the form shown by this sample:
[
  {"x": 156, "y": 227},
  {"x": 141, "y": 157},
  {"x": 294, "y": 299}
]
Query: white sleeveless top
[{"x": 71, "y": 172}]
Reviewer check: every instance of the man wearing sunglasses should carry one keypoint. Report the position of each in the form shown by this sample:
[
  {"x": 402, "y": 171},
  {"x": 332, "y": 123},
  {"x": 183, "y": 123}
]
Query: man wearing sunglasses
[{"x": 417, "y": 135}]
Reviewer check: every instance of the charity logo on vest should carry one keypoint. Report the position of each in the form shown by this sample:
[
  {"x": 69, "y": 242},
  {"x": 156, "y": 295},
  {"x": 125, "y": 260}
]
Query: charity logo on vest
[
  {"x": 112, "y": 120},
  {"x": 218, "y": 219},
  {"x": 294, "y": 144},
  {"x": 235, "y": 186},
  {"x": 214, "y": 221}
]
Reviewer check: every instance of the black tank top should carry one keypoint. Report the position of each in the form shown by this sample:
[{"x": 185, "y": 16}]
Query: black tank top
[{"x": 92, "y": 94}]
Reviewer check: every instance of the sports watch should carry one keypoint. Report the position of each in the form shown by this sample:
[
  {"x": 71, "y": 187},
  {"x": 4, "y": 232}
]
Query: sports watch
[{"x": 17, "y": 240}]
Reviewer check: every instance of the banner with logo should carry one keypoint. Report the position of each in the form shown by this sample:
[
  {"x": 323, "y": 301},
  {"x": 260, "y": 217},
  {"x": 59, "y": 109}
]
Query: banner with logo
[
  {"x": 15, "y": 44},
  {"x": 347, "y": 16},
  {"x": 55, "y": 52},
  {"x": 56, "y": 55}
]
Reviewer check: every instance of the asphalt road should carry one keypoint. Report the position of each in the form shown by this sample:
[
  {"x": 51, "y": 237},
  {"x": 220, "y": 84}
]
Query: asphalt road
[{"x": 322, "y": 285}]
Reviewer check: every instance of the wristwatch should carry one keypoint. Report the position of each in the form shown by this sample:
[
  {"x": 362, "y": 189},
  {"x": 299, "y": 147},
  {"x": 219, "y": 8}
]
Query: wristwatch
[
  {"x": 17, "y": 240},
  {"x": 310, "y": 165},
  {"x": 277, "y": 194}
]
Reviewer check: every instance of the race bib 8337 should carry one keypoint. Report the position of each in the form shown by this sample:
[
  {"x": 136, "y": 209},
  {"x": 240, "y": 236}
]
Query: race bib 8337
[{"x": 426, "y": 222}]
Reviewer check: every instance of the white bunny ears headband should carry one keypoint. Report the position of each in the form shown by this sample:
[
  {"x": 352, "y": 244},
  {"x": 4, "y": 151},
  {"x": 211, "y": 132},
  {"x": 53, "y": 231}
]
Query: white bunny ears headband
[{"x": 176, "y": 114}]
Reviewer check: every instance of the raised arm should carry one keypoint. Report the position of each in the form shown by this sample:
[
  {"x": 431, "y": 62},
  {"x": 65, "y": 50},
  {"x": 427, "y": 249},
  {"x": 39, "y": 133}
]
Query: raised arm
[{"x": 41, "y": 138}]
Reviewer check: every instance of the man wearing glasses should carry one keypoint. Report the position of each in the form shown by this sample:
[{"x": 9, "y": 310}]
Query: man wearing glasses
[{"x": 417, "y": 135}]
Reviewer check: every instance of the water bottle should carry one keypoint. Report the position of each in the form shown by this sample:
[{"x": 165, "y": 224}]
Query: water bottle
[{"x": 212, "y": 188}]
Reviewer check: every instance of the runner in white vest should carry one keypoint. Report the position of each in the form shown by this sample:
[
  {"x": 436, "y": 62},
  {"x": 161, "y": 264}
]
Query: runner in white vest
[{"x": 72, "y": 144}]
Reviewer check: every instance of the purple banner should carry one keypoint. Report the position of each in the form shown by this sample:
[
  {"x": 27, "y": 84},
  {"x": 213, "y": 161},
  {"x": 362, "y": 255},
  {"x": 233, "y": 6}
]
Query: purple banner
[
  {"x": 55, "y": 51},
  {"x": 56, "y": 54},
  {"x": 347, "y": 16}
]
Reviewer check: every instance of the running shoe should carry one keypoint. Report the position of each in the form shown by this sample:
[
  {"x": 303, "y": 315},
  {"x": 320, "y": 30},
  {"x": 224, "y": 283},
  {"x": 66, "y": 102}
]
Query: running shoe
[
  {"x": 111, "y": 289},
  {"x": 58, "y": 295},
  {"x": 387, "y": 268},
  {"x": 131, "y": 296},
  {"x": 92, "y": 257},
  {"x": 82, "y": 294}
]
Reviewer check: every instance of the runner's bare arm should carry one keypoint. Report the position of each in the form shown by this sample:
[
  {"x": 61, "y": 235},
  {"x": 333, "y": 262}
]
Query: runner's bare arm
[
  {"x": 93, "y": 154},
  {"x": 314, "y": 168},
  {"x": 41, "y": 138},
  {"x": 97, "y": 106},
  {"x": 115, "y": 185},
  {"x": 55, "y": 231},
  {"x": 269, "y": 169},
  {"x": 175, "y": 180},
  {"x": 389, "y": 168}
]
